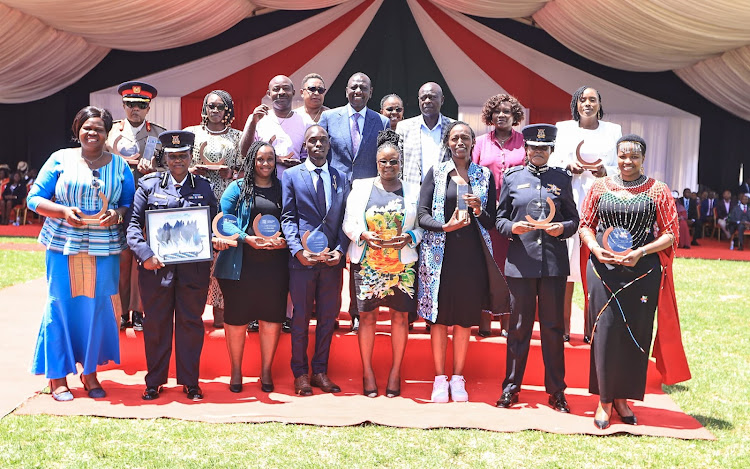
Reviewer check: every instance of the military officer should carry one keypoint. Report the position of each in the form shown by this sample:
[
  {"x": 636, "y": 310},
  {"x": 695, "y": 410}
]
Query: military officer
[
  {"x": 128, "y": 139},
  {"x": 537, "y": 264},
  {"x": 173, "y": 295}
]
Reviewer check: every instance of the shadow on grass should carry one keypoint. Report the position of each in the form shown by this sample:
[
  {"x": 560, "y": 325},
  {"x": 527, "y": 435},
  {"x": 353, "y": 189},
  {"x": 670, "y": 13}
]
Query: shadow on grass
[
  {"x": 712, "y": 423},
  {"x": 675, "y": 388}
]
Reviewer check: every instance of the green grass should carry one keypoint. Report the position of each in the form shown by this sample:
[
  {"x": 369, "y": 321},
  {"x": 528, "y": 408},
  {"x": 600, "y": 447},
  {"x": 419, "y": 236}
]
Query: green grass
[
  {"x": 20, "y": 266},
  {"x": 712, "y": 296},
  {"x": 18, "y": 239}
]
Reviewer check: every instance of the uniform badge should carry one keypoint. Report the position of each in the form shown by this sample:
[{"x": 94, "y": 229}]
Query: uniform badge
[
  {"x": 137, "y": 89},
  {"x": 523, "y": 186},
  {"x": 553, "y": 189},
  {"x": 540, "y": 134},
  {"x": 160, "y": 196},
  {"x": 175, "y": 139}
]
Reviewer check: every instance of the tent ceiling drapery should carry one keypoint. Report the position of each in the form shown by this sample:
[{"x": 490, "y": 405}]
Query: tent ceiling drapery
[{"x": 709, "y": 50}]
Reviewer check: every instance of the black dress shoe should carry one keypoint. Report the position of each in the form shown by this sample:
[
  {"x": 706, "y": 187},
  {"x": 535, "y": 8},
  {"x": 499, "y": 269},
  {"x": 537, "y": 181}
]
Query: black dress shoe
[
  {"x": 694, "y": 243},
  {"x": 482, "y": 333},
  {"x": 151, "y": 393},
  {"x": 286, "y": 326},
  {"x": 601, "y": 424},
  {"x": 566, "y": 337},
  {"x": 253, "y": 326},
  {"x": 194, "y": 393},
  {"x": 507, "y": 399},
  {"x": 558, "y": 402},
  {"x": 587, "y": 339},
  {"x": 266, "y": 387},
  {"x": 124, "y": 323},
  {"x": 137, "y": 321},
  {"x": 630, "y": 420},
  {"x": 235, "y": 388}
]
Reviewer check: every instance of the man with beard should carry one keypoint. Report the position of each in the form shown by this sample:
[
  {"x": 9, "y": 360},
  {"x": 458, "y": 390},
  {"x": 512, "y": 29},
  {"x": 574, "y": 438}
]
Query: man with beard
[{"x": 128, "y": 139}]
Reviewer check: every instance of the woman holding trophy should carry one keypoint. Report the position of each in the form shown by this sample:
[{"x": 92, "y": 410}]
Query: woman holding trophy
[
  {"x": 254, "y": 276},
  {"x": 628, "y": 275}
]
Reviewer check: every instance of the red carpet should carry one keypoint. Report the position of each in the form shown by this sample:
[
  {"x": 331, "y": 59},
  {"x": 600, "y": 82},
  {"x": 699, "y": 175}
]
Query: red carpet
[
  {"x": 658, "y": 415},
  {"x": 712, "y": 249}
]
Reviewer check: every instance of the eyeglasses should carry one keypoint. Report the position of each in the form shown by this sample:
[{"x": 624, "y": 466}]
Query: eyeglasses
[
  {"x": 389, "y": 162},
  {"x": 316, "y": 89},
  {"x": 95, "y": 180},
  {"x": 138, "y": 104},
  {"x": 397, "y": 109},
  {"x": 541, "y": 147},
  {"x": 220, "y": 106}
]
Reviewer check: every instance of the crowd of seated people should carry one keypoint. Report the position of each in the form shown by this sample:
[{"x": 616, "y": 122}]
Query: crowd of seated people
[
  {"x": 14, "y": 185},
  {"x": 721, "y": 215}
]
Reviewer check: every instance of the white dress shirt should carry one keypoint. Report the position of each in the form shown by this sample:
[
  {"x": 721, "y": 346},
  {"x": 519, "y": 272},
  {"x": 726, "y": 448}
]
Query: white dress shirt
[
  {"x": 325, "y": 174},
  {"x": 431, "y": 144}
]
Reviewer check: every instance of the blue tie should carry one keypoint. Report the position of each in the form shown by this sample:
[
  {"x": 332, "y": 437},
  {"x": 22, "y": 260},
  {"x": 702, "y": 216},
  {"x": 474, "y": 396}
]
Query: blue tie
[{"x": 320, "y": 192}]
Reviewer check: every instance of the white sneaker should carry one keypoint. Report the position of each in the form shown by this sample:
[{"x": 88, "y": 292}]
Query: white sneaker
[
  {"x": 440, "y": 389},
  {"x": 458, "y": 389}
]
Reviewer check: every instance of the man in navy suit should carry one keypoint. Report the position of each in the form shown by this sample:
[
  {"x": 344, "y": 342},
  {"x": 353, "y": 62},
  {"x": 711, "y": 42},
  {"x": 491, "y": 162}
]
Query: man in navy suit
[
  {"x": 693, "y": 214},
  {"x": 314, "y": 198},
  {"x": 353, "y": 130}
]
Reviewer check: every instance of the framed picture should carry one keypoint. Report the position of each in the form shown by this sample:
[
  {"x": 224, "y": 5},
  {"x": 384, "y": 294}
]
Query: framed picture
[{"x": 178, "y": 235}]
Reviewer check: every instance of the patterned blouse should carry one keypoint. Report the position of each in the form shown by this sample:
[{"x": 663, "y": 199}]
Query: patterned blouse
[
  {"x": 631, "y": 205},
  {"x": 218, "y": 147},
  {"x": 69, "y": 180}
]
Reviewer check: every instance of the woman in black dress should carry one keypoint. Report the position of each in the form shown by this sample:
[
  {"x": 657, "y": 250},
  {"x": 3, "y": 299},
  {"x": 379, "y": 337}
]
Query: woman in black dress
[
  {"x": 254, "y": 277},
  {"x": 625, "y": 282},
  {"x": 458, "y": 278}
]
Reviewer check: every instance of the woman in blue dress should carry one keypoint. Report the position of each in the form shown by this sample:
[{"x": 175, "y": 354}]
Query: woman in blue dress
[{"x": 92, "y": 190}]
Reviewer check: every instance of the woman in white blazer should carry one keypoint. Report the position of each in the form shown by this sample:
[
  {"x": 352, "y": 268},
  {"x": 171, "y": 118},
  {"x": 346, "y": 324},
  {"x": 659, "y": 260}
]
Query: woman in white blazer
[{"x": 381, "y": 221}]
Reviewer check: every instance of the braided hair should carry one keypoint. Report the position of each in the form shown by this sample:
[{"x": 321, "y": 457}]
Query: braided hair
[
  {"x": 226, "y": 98},
  {"x": 390, "y": 139},
  {"x": 574, "y": 103},
  {"x": 247, "y": 192}
]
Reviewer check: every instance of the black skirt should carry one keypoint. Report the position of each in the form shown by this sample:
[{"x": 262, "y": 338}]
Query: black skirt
[{"x": 621, "y": 340}]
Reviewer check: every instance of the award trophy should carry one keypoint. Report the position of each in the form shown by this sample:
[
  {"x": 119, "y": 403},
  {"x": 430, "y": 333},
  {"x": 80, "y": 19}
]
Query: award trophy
[
  {"x": 463, "y": 209},
  {"x": 267, "y": 227},
  {"x": 316, "y": 242},
  {"x": 540, "y": 213},
  {"x": 219, "y": 228},
  {"x": 94, "y": 219},
  {"x": 588, "y": 165},
  {"x": 208, "y": 165},
  {"x": 389, "y": 242},
  {"x": 618, "y": 241}
]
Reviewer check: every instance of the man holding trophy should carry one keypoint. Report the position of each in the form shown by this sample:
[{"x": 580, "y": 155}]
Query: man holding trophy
[{"x": 314, "y": 198}]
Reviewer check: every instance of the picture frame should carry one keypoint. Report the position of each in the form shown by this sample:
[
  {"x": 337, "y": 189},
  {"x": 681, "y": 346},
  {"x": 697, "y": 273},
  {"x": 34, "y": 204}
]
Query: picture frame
[{"x": 188, "y": 238}]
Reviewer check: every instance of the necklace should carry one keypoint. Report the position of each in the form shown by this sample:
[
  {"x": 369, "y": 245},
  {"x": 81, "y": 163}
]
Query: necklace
[
  {"x": 317, "y": 116},
  {"x": 90, "y": 162},
  {"x": 216, "y": 132},
  {"x": 282, "y": 119},
  {"x": 630, "y": 184}
]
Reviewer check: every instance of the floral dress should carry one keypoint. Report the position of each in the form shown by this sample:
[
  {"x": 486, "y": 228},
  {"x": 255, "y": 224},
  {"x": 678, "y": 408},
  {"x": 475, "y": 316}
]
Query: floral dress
[{"x": 381, "y": 278}]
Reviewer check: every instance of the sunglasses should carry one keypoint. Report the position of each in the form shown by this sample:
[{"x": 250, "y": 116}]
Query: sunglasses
[
  {"x": 219, "y": 107},
  {"x": 95, "y": 180},
  {"x": 388, "y": 162},
  {"x": 316, "y": 89},
  {"x": 397, "y": 109},
  {"x": 178, "y": 156},
  {"x": 138, "y": 104}
]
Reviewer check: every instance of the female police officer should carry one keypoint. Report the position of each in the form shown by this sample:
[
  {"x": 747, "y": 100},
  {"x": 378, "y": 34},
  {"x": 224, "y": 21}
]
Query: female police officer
[
  {"x": 537, "y": 264},
  {"x": 173, "y": 295}
]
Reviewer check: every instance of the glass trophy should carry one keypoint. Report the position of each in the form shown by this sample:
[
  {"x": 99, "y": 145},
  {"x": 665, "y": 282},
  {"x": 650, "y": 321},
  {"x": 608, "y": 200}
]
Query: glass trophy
[
  {"x": 618, "y": 241},
  {"x": 463, "y": 209},
  {"x": 316, "y": 242},
  {"x": 540, "y": 212},
  {"x": 209, "y": 165},
  {"x": 221, "y": 228},
  {"x": 267, "y": 227}
]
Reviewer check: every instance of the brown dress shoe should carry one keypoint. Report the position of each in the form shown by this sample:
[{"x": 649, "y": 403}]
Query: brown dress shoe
[
  {"x": 302, "y": 386},
  {"x": 322, "y": 381}
]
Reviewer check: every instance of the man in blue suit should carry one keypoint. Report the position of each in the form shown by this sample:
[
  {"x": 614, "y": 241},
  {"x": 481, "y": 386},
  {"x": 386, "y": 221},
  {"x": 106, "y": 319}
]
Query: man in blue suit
[
  {"x": 314, "y": 198},
  {"x": 353, "y": 130}
]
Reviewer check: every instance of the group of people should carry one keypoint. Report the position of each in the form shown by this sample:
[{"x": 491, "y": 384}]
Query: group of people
[
  {"x": 432, "y": 221},
  {"x": 729, "y": 214},
  {"x": 14, "y": 185}
]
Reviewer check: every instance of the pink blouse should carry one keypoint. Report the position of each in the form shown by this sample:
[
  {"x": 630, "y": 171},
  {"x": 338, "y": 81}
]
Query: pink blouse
[{"x": 488, "y": 152}]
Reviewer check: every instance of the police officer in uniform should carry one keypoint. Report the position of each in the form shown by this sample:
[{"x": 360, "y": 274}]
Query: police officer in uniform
[
  {"x": 537, "y": 264},
  {"x": 128, "y": 139},
  {"x": 174, "y": 296}
]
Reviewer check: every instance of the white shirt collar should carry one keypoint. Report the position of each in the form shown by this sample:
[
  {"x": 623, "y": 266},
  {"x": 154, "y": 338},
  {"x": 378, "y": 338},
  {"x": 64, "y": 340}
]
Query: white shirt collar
[
  {"x": 350, "y": 111},
  {"x": 175, "y": 181},
  {"x": 311, "y": 166},
  {"x": 136, "y": 129}
]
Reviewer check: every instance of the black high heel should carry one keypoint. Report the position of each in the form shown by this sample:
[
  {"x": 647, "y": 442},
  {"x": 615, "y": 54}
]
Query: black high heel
[
  {"x": 94, "y": 393},
  {"x": 630, "y": 420},
  {"x": 372, "y": 393},
  {"x": 602, "y": 424}
]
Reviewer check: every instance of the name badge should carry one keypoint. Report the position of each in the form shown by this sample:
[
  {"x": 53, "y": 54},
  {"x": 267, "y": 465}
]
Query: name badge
[
  {"x": 524, "y": 186},
  {"x": 160, "y": 196},
  {"x": 195, "y": 196}
]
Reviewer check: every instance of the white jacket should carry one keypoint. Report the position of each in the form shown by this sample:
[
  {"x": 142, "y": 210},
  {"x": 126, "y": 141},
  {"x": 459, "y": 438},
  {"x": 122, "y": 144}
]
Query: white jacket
[{"x": 355, "y": 223}]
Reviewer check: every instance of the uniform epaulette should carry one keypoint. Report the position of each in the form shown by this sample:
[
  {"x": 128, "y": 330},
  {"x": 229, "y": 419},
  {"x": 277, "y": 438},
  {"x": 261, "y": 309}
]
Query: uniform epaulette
[
  {"x": 562, "y": 170},
  {"x": 157, "y": 126},
  {"x": 150, "y": 175},
  {"x": 513, "y": 169}
]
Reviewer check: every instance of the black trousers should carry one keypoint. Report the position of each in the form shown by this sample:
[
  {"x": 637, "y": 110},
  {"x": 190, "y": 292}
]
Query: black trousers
[
  {"x": 549, "y": 292},
  {"x": 173, "y": 300}
]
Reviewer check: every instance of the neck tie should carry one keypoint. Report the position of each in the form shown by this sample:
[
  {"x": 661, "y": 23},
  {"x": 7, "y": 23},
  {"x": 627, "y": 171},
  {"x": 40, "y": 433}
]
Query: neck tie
[
  {"x": 356, "y": 139},
  {"x": 320, "y": 193}
]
